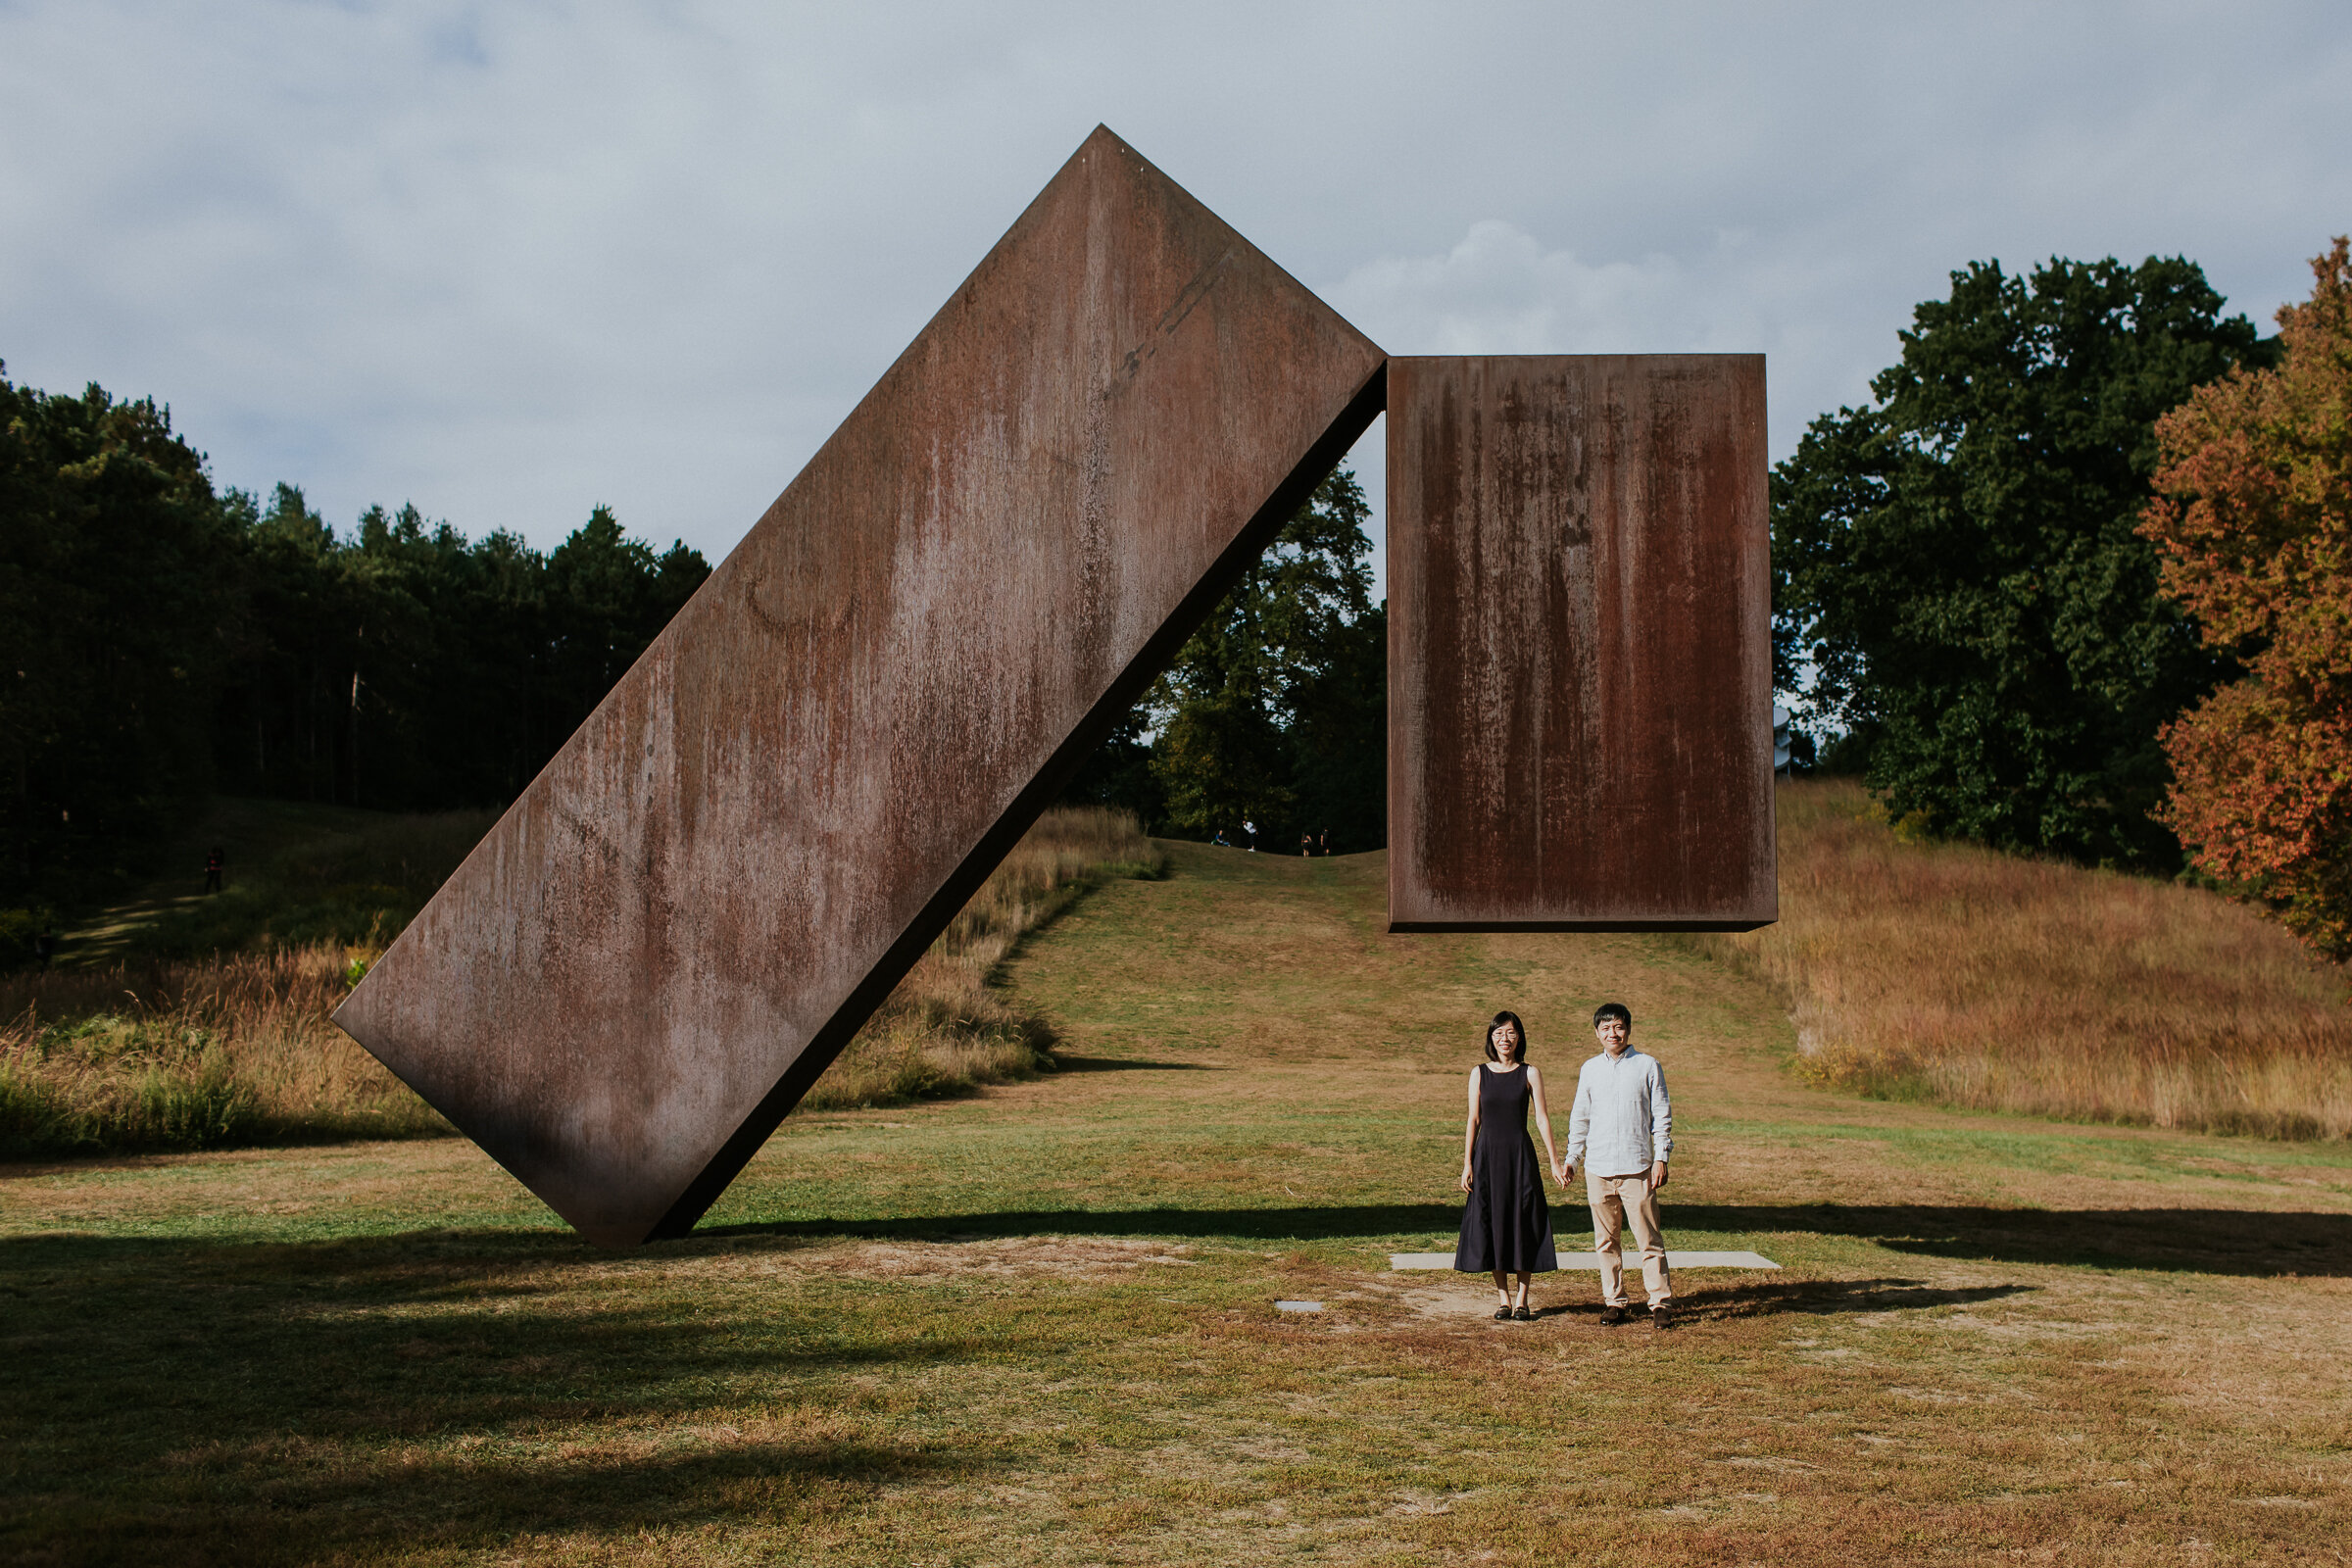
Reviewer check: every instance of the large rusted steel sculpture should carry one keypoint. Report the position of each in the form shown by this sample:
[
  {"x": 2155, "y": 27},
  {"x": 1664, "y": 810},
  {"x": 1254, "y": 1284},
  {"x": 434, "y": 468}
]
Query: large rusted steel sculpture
[
  {"x": 683, "y": 919},
  {"x": 1580, "y": 660}
]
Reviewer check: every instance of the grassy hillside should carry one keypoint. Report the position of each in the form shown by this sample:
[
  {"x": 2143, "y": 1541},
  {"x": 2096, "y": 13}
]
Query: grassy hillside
[
  {"x": 295, "y": 875},
  {"x": 192, "y": 1021},
  {"x": 1948, "y": 973},
  {"x": 1037, "y": 1325}
]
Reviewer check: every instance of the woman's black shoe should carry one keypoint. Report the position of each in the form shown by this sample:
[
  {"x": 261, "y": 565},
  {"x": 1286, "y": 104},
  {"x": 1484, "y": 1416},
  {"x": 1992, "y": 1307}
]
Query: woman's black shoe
[{"x": 1525, "y": 1314}]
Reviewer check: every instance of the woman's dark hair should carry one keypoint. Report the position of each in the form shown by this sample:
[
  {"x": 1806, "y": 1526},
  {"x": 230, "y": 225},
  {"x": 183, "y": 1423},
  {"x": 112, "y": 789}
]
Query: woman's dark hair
[
  {"x": 1501, "y": 1019},
  {"x": 1613, "y": 1009}
]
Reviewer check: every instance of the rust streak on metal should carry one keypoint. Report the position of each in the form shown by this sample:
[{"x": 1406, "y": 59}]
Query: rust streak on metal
[
  {"x": 1580, "y": 662},
  {"x": 682, "y": 920}
]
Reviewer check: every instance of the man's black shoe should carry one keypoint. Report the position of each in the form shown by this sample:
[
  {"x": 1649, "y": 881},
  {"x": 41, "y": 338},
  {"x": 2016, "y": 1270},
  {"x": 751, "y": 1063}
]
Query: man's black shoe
[
  {"x": 1661, "y": 1317},
  {"x": 1611, "y": 1317}
]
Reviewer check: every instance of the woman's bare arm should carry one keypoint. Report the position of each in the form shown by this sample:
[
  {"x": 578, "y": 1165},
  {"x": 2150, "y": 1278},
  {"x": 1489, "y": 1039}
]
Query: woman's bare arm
[
  {"x": 1535, "y": 1084},
  {"x": 1470, "y": 1130}
]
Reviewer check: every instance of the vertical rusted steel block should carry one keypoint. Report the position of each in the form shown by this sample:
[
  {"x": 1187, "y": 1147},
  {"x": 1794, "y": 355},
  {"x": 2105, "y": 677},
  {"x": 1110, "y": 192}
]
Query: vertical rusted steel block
[
  {"x": 1579, "y": 651},
  {"x": 684, "y": 919}
]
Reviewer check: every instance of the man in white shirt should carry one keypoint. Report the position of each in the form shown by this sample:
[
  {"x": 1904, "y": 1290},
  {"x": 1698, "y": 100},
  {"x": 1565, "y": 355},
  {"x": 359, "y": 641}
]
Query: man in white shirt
[{"x": 1622, "y": 1129}]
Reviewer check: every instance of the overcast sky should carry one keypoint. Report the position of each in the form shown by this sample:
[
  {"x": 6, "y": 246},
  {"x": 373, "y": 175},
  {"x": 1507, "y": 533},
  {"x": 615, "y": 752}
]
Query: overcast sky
[{"x": 510, "y": 261}]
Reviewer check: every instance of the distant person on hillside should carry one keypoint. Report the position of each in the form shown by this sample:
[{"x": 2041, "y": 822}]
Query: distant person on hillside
[
  {"x": 1250, "y": 828},
  {"x": 1323, "y": 842},
  {"x": 211, "y": 870},
  {"x": 1622, "y": 1128},
  {"x": 1306, "y": 845},
  {"x": 1506, "y": 1225},
  {"x": 1221, "y": 841},
  {"x": 44, "y": 945}
]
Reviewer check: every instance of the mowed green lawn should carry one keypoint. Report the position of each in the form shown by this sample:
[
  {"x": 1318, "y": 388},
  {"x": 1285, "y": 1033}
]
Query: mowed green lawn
[{"x": 1038, "y": 1326}]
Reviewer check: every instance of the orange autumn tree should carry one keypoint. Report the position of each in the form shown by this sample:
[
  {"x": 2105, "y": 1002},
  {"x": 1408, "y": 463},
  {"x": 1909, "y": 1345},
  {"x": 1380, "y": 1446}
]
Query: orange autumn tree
[{"x": 2253, "y": 522}]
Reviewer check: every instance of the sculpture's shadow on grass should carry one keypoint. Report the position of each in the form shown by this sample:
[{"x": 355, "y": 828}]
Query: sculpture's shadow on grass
[
  {"x": 2245, "y": 1242},
  {"x": 193, "y": 1400},
  {"x": 1825, "y": 1298}
]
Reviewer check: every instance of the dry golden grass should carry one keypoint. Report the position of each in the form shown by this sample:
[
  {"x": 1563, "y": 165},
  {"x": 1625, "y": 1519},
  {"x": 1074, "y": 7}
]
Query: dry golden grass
[
  {"x": 240, "y": 1049},
  {"x": 234, "y": 1049},
  {"x": 1983, "y": 980}
]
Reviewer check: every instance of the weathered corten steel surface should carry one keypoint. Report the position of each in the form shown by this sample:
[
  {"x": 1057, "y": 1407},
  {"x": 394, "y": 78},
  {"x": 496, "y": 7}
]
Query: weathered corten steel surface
[
  {"x": 1580, "y": 656},
  {"x": 684, "y": 919}
]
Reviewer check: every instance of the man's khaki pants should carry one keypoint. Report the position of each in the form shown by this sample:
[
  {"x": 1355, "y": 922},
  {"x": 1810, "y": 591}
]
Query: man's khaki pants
[{"x": 1619, "y": 1202}]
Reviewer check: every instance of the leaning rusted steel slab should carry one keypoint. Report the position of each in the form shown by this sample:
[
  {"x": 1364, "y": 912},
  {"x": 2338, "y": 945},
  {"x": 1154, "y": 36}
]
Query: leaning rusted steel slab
[
  {"x": 1579, "y": 651},
  {"x": 685, "y": 917}
]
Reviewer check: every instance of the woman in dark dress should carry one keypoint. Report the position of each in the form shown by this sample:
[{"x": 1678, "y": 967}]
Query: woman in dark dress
[{"x": 1506, "y": 1226}]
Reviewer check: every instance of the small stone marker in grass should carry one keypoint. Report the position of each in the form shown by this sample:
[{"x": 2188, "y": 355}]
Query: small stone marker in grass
[
  {"x": 1299, "y": 1307},
  {"x": 1569, "y": 1261}
]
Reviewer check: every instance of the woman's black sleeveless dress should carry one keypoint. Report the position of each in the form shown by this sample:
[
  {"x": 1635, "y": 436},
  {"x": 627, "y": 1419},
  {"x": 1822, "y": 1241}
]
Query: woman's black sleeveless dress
[{"x": 1507, "y": 1224}]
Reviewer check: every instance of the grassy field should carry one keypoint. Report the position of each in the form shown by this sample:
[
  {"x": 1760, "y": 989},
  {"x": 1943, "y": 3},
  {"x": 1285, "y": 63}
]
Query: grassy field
[
  {"x": 297, "y": 874},
  {"x": 1954, "y": 973},
  {"x": 148, "y": 1039},
  {"x": 181, "y": 1020},
  {"x": 1037, "y": 1326}
]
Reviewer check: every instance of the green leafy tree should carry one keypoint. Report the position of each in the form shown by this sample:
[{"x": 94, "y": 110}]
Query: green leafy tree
[
  {"x": 1274, "y": 710},
  {"x": 1958, "y": 582}
]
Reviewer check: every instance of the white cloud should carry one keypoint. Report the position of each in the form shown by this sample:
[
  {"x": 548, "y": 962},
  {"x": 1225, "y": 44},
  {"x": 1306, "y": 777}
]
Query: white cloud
[{"x": 1498, "y": 291}]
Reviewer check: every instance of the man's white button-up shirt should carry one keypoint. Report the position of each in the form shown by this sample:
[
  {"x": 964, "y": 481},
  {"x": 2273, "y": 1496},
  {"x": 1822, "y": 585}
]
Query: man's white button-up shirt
[{"x": 1621, "y": 1111}]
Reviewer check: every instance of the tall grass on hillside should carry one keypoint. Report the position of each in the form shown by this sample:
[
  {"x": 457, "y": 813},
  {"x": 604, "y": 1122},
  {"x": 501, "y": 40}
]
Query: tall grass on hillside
[
  {"x": 237, "y": 1047},
  {"x": 947, "y": 1026},
  {"x": 1958, "y": 974}
]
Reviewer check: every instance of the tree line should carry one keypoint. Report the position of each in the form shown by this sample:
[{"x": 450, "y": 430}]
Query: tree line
[
  {"x": 2073, "y": 582},
  {"x": 1271, "y": 725},
  {"x": 161, "y": 641}
]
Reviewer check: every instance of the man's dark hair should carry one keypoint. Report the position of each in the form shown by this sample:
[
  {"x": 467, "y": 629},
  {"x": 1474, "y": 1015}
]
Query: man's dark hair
[
  {"x": 1614, "y": 1009},
  {"x": 1501, "y": 1019}
]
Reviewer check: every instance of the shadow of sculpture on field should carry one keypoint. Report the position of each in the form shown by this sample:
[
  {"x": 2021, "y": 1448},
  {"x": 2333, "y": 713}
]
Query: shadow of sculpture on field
[
  {"x": 2244, "y": 1243},
  {"x": 2190, "y": 1241},
  {"x": 1822, "y": 1297},
  {"x": 199, "y": 1401}
]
